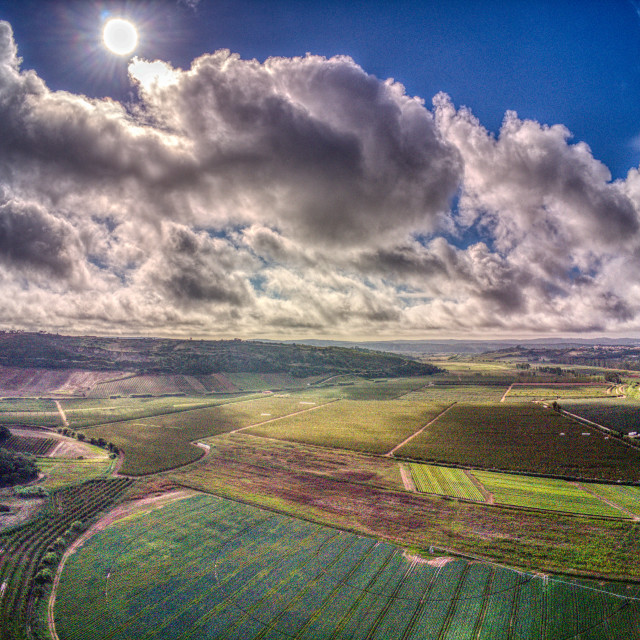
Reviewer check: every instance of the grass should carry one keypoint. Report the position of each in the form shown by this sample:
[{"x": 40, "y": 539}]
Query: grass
[
  {"x": 624, "y": 496},
  {"x": 458, "y": 393},
  {"x": 89, "y": 412},
  {"x": 375, "y": 427},
  {"x": 525, "y": 438},
  {"x": 544, "y": 493},
  {"x": 278, "y": 454},
  {"x": 62, "y": 472},
  {"x": 558, "y": 392},
  {"x": 445, "y": 481},
  {"x": 205, "y": 567}
]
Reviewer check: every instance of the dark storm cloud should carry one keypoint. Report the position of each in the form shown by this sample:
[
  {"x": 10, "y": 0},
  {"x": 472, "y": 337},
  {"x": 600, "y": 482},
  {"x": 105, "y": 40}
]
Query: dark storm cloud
[
  {"x": 193, "y": 268},
  {"x": 33, "y": 240}
]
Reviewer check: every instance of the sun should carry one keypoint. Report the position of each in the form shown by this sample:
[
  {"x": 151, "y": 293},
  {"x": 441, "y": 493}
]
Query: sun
[{"x": 120, "y": 36}]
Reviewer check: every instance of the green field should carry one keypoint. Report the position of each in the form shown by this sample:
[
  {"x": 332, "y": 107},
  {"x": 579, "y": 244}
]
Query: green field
[
  {"x": 458, "y": 393},
  {"x": 29, "y": 411},
  {"x": 62, "y": 472},
  {"x": 375, "y": 427},
  {"x": 558, "y": 391},
  {"x": 624, "y": 496},
  {"x": 544, "y": 493},
  {"x": 621, "y": 414},
  {"x": 209, "y": 568},
  {"x": 163, "y": 442},
  {"x": 523, "y": 437},
  {"x": 445, "y": 481},
  {"x": 89, "y": 412}
]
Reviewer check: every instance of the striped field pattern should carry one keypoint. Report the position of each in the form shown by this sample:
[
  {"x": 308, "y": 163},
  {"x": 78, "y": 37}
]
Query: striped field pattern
[
  {"x": 444, "y": 481},
  {"x": 209, "y": 568}
]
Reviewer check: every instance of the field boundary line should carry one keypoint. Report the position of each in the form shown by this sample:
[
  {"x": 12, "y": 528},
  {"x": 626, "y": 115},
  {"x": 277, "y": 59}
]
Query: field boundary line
[
  {"x": 606, "y": 501},
  {"x": 288, "y": 415},
  {"x": 506, "y": 393},
  {"x": 417, "y": 433},
  {"x": 407, "y": 478}
]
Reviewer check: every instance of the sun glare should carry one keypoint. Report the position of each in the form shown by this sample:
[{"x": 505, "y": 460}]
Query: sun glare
[{"x": 120, "y": 36}]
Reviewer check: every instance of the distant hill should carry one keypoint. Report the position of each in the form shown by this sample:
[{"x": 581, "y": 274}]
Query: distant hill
[
  {"x": 430, "y": 347},
  {"x": 165, "y": 356}
]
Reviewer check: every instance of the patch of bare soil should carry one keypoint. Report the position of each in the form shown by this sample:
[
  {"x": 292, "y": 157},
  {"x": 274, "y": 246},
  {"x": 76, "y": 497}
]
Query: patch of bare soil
[
  {"x": 441, "y": 561},
  {"x": 22, "y": 510},
  {"x": 70, "y": 448},
  {"x": 407, "y": 479}
]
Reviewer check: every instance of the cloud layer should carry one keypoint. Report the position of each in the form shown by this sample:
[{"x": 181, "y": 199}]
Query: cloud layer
[{"x": 300, "y": 197}]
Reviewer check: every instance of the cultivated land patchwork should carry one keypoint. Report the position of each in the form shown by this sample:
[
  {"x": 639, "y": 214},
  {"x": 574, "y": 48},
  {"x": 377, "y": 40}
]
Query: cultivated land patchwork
[
  {"x": 523, "y": 437},
  {"x": 360, "y": 538}
]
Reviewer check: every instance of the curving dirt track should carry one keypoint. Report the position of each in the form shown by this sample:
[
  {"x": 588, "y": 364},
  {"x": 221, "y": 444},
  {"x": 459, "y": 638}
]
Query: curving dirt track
[{"x": 115, "y": 514}]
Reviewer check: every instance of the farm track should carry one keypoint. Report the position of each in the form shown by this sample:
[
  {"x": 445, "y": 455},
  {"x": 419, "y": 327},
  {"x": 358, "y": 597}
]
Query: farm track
[
  {"x": 63, "y": 415},
  {"x": 288, "y": 415},
  {"x": 488, "y": 496},
  {"x": 115, "y": 514},
  {"x": 506, "y": 393},
  {"x": 417, "y": 433},
  {"x": 407, "y": 479}
]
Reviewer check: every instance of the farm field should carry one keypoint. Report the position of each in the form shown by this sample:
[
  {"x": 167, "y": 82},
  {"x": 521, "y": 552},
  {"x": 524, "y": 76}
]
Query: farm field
[
  {"x": 558, "y": 391},
  {"x": 38, "y": 446},
  {"x": 523, "y": 437},
  {"x": 357, "y": 388},
  {"x": 305, "y": 486},
  {"x": 204, "y": 567},
  {"x": 267, "y": 381},
  {"x": 445, "y": 481},
  {"x": 458, "y": 393},
  {"x": 621, "y": 414},
  {"x": 544, "y": 493},
  {"x": 624, "y": 496},
  {"x": 163, "y": 442},
  {"x": 267, "y": 453},
  {"x": 24, "y": 547},
  {"x": 29, "y": 411},
  {"x": 154, "y": 385},
  {"x": 375, "y": 427},
  {"x": 15, "y": 381},
  {"x": 62, "y": 472},
  {"x": 84, "y": 413}
]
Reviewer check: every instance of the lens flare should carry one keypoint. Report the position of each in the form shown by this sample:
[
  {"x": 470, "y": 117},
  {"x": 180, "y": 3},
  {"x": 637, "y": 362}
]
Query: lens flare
[{"x": 120, "y": 36}]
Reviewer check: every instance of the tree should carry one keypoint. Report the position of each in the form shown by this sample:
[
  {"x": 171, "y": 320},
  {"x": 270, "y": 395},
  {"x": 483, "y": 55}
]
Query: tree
[
  {"x": 16, "y": 468},
  {"x": 4, "y": 433}
]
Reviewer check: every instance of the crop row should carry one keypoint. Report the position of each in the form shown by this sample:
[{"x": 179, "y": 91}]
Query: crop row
[
  {"x": 23, "y": 548},
  {"x": 519, "y": 437},
  {"x": 207, "y": 568},
  {"x": 33, "y": 446},
  {"x": 444, "y": 481}
]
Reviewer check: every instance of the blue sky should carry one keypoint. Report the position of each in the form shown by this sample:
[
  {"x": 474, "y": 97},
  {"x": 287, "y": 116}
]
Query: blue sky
[
  {"x": 575, "y": 63},
  {"x": 186, "y": 191}
]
